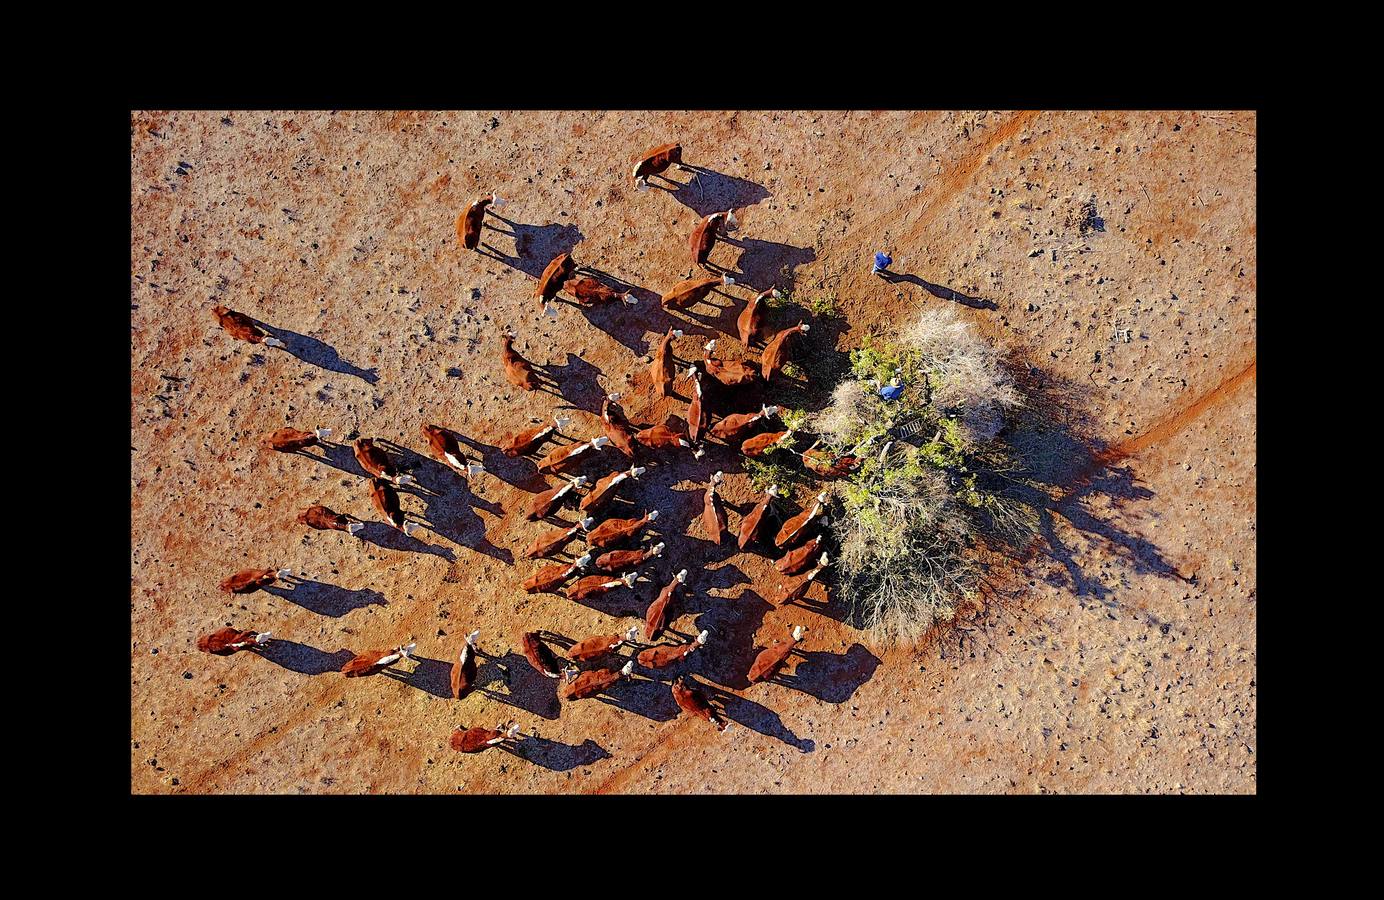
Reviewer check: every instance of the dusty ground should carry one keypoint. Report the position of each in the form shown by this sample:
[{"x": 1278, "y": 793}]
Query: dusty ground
[{"x": 1119, "y": 657}]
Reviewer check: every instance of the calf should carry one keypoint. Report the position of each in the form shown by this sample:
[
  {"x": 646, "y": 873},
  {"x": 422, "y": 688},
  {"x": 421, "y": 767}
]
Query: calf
[
  {"x": 772, "y": 658},
  {"x": 752, "y": 316},
  {"x": 600, "y": 645},
  {"x": 797, "y": 561},
  {"x": 555, "y": 540},
  {"x": 542, "y": 505},
  {"x": 548, "y": 578},
  {"x": 619, "y": 560},
  {"x": 776, "y": 351},
  {"x": 761, "y": 444},
  {"x": 692, "y": 701},
  {"x": 474, "y": 740},
  {"x": 591, "y": 682},
  {"x": 732, "y": 427},
  {"x": 691, "y": 290},
  {"x": 794, "y": 529},
  {"x": 596, "y": 585},
  {"x": 522, "y": 442},
  {"x": 564, "y": 458},
  {"x": 828, "y": 464},
  {"x": 662, "y": 371},
  {"x": 386, "y": 501},
  {"x": 613, "y": 531},
  {"x": 540, "y": 655},
  {"x": 464, "y": 669},
  {"x": 376, "y": 661},
  {"x": 324, "y": 519},
  {"x": 696, "y": 412},
  {"x": 590, "y": 292},
  {"x": 616, "y": 426},
  {"x": 376, "y": 462},
  {"x": 605, "y": 489},
  {"x": 656, "y": 617},
  {"x": 470, "y": 221},
  {"x": 655, "y": 162},
  {"x": 704, "y": 237},
  {"x": 446, "y": 449},
  {"x": 225, "y": 641},
  {"x": 518, "y": 371},
  {"x": 752, "y": 526},
  {"x": 666, "y": 655},
  {"x": 251, "y": 580},
  {"x": 789, "y": 590},
  {"x": 730, "y": 372},
  {"x": 243, "y": 328},
  {"x": 714, "y": 512},
  {"x": 557, "y": 272},
  {"x": 291, "y": 440}
]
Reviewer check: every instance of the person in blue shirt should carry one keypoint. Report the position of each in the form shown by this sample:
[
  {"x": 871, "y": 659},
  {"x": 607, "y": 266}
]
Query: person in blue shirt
[{"x": 882, "y": 263}]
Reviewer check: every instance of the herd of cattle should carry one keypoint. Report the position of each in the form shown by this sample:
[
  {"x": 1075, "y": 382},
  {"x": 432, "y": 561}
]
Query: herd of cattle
[{"x": 799, "y": 538}]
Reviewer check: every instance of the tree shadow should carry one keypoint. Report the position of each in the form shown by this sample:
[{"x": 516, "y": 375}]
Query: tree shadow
[
  {"x": 557, "y": 757},
  {"x": 326, "y": 599},
  {"x": 303, "y": 658},
  {"x": 831, "y": 677},
  {"x": 707, "y": 191},
  {"x": 317, "y": 353}
]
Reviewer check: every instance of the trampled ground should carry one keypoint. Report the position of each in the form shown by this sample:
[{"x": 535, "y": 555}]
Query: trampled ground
[{"x": 1114, "y": 252}]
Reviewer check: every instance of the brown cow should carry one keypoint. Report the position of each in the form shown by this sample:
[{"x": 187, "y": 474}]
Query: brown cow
[
  {"x": 375, "y": 661},
  {"x": 557, "y": 272},
  {"x": 386, "y": 501},
  {"x": 732, "y": 427},
  {"x": 656, "y": 617},
  {"x": 606, "y": 488},
  {"x": 563, "y": 458},
  {"x": 691, "y": 290},
  {"x": 590, "y": 292},
  {"x": 540, "y": 655},
  {"x": 474, "y": 740},
  {"x": 797, "y": 561},
  {"x": 600, "y": 645},
  {"x": 752, "y": 526},
  {"x": 376, "y": 462},
  {"x": 789, "y": 590},
  {"x": 471, "y": 219},
  {"x": 691, "y": 700},
  {"x": 251, "y": 580},
  {"x": 543, "y": 504},
  {"x": 619, "y": 560},
  {"x": 549, "y": 577},
  {"x": 555, "y": 540},
  {"x": 714, "y": 512},
  {"x": 666, "y": 655},
  {"x": 752, "y": 316},
  {"x": 596, "y": 585},
  {"x": 613, "y": 531},
  {"x": 696, "y": 412},
  {"x": 655, "y": 162},
  {"x": 771, "y": 658},
  {"x": 704, "y": 237},
  {"x": 828, "y": 464},
  {"x": 518, "y": 371},
  {"x": 661, "y": 373},
  {"x": 243, "y": 328},
  {"x": 776, "y": 351},
  {"x": 761, "y": 444},
  {"x": 730, "y": 372},
  {"x": 445, "y": 447},
  {"x": 324, "y": 519},
  {"x": 464, "y": 669},
  {"x": 794, "y": 529},
  {"x": 522, "y": 442},
  {"x": 661, "y": 437},
  {"x": 225, "y": 641},
  {"x": 291, "y": 440},
  {"x": 591, "y": 682},
  {"x": 616, "y": 426}
]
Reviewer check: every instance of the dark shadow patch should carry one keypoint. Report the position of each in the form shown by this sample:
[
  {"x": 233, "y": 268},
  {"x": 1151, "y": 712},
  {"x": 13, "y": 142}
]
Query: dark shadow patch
[
  {"x": 831, "y": 677},
  {"x": 317, "y": 353},
  {"x": 556, "y": 756},
  {"x": 302, "y": 658},
  {"x": 326, "y": 599},
  {"x": 707, "y": 191}
]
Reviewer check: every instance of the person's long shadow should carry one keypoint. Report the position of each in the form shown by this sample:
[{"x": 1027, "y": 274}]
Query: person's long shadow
[
  {"x": 941, "y": 292},
  {"x": 326, "y": 599},
  {"x": 831, "y": 677},
  {"x": 525, "y": 688},
  {"x": 534, "y": 245},
  {"x": 557, "y": 756},
  {"x": 758, "y": 718},
  {"x": 303, "y": 658},
  {"x": 314, "y": 352},
  {"x": 707, "y": 191}
]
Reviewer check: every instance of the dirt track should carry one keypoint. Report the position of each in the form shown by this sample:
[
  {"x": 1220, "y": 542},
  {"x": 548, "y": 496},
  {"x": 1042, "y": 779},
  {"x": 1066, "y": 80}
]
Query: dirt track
[{"x": 1121, "y": 659}]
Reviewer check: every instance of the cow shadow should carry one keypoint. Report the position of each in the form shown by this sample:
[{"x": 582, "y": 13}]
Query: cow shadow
[
  {"x": 303, "y": 658},
  {"x": 449, "y": 507},
  {"x": 651, "y": 698},
  {"x": 515, "y": 471},
  {"x": 326, "y": 599},
  {"x": 941, "y": 292},
  {"x": 577, "y": 382},
  {"x": 730, "y": 647},
  {"x": 317, "y": 353},
  {"x": 388, "y": 537},
  {"x": 758, "y": 718},
  {"x": 556, "y": 756},
  {"x": 525, "y": 688},
  {"x": 534, "y": 245},
  {"x": 764, "y": 264},
  {"x": 831, "y": 677},
  {"x": 708, "y": 191},
  {"x": 431, "y": 676},
  {"x": 338, "y": 456}
]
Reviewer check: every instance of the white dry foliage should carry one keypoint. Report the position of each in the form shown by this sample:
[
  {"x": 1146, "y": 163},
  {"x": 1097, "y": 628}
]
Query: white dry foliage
[
  {"x": 968, "y": 371},
  {"x": 852, "y": 405}
]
